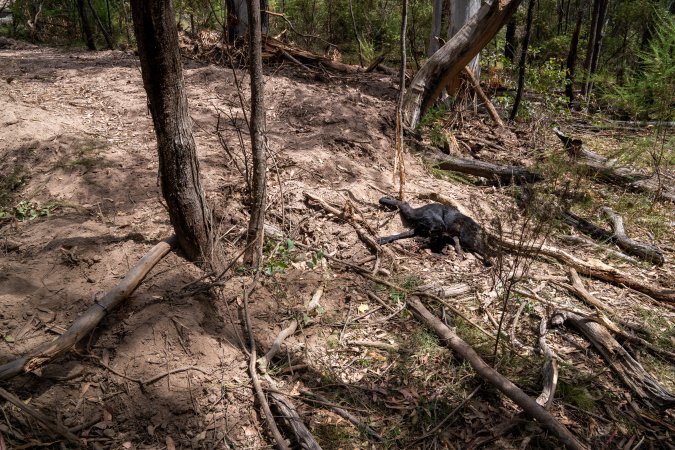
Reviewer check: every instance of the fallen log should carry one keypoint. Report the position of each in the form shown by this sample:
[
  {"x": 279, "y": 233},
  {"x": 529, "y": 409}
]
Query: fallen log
[
  {"x": 529, "y": 405},
  {"x": 84, "y": 324},
  {"x": 617, "y": 236},
  {"x": 496, "y": 172},
  {"x": 606, "y": 170},
  {"x": 622, "y": 363},
  {"x": 630, "y": 246}
]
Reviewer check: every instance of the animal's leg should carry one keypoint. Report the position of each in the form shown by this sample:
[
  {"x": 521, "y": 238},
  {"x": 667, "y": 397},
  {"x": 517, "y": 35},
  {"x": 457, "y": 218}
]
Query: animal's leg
[
  {"x": 458, "y": 248},
  {"x": 396, "y": 237}
]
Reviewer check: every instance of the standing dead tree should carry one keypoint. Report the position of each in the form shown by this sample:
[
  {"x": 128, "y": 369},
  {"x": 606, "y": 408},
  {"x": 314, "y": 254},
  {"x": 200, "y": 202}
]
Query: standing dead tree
[{"x": 157, "y": 37}]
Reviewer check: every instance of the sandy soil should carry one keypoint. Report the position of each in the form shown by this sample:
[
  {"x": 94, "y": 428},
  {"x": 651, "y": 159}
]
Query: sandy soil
[{"x": 76, "y": 127}]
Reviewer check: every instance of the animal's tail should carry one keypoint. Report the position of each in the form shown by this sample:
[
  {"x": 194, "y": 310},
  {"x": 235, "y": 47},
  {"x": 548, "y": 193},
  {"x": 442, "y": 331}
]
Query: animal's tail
[{"x": 391, "y": 202}]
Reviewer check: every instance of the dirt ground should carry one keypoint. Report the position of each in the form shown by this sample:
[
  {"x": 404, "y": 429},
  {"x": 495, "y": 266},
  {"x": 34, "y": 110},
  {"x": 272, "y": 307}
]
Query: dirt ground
[{"x": 77, "y": 141}]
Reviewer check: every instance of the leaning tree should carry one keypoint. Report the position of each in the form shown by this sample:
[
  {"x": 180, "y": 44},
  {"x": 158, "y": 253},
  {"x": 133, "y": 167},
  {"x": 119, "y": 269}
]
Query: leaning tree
[
  {"x": 446, "y": 64},
  {"x": 157, "y": 37}
]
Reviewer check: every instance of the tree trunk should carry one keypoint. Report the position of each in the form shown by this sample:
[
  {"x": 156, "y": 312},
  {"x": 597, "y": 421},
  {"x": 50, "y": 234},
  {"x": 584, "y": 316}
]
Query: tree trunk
[
  {"x": 597, "y": 45},
  {"x": 157, "y": 38},
  {"x": 460, "y": 13},
  {"x": 106, "y": 35},
  {"x": 255, "y": 232},
  {"x": 510, "y": 38},
  {"x": 86, "y": 26},
  {"x": 591, "y": 43},
  {"x": 436, "y": 19},
  {"x": 523, "y": 60},
  {"x": 572, "y": 55},
  {"x": 239, "y": 18},
  {"x": 449, "y": 60}
]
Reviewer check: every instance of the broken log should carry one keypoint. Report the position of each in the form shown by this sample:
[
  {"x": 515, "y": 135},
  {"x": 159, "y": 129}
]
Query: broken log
[
  {"x": 292, "y": 420},
  {"x": 622, "y": 363},
  {"x": 529, "y": 405},
  {"x": 644, "y": 251},
  {"x": 606, "y": 170},
  {"x": 495, "y": 172},
  {"x": 617, "y": 236},
  {"x": 84, "y": 324}
]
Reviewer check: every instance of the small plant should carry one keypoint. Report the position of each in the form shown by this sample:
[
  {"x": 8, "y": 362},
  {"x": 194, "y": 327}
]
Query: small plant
[
  {"x": 280, "y": 257},
  {"x": 26, "y": 210}
]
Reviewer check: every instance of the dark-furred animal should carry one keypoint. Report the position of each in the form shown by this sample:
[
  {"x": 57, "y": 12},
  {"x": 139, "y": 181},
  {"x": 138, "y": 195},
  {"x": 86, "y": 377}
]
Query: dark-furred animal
[{"x": 440, "y": 223}]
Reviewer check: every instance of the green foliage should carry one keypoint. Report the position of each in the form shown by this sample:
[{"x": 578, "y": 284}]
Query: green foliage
[
  {"x": 26, "y": 210},
  {"x": 648, "y": 91}
]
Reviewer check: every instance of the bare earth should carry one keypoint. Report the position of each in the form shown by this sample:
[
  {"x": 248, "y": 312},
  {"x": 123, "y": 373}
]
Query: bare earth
[{"x": 76, "y": 125}]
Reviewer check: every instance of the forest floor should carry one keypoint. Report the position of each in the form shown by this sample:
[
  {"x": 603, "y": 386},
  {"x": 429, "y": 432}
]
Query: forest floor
[{"x": 81, "y": 205}]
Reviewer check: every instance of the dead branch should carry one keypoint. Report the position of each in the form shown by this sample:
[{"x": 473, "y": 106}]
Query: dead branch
[
  {"x": 84, "y": 324},
  {"x": 293, "y": 421},
  {"x": 593, "y": 268},
  {"x": 339, "y": 411},
  {"x": 607, "y": 171},
  {"x": 486, "y": 101},
  {"x": 354, "y": 221},
  {"x": 491, "y": 171},
  {"x": 549, "y": 370},
  {"x": 40, "y": 417},
  {"x": 509, "y": 389},
  {"x": 622, "y": 363},
  {"x": 280, "y": 442},
  {"x": 644, "y": 251},
  {"x": 578, "y": 289}
]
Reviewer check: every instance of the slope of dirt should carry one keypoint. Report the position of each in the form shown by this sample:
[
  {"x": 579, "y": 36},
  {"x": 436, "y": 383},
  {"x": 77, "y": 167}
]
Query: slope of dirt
[{"x": 77, "y": 142}]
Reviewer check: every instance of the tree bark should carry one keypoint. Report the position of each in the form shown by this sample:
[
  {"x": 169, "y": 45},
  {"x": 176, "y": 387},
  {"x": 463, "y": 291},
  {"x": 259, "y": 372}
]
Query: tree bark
[
  {"x": 255, "y": 233},
  {"x": 523, "y": 60},
  {"x": 449, "y": 60},
  {"x": 460, "y": 13},
  {"x": 436, "y": 19},
  {"x": 510, "y": 43},
  {"x": 86, "y": 26},
  {"x": 106, "y": 35},
  {"x": 572, "y": 55},
  {"x": 239, "y": 18},
  {"x": 157, "y": 38}
]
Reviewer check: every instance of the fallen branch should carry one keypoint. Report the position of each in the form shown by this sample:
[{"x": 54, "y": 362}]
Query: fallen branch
[
  {"x": 355, "y": 222},
  {"x": 280, "y": 442},
  {"x": 491, "y": 171},
  {"x": 40, "y": 417},
  {"x": 509, "y": 389},
  {"x": 644, "y": 251},
  {"x": 339, "y": 411},
  {"x": 549, "y": 370},
  {"x": 486, "y": 101},
  {"x": 593, "y": 268},
  {"x": 578, "y": 289},
  {"x": 84, "y": 324},
  {"x": 293, "y": 421},
  {"x": 622, "y": 363},
  {"x": 606, "y": 171}
]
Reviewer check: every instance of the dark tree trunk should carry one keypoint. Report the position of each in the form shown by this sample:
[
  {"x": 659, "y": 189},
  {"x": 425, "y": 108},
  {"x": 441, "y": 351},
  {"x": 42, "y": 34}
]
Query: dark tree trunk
[
  {"x": 157, "y": 38},
  {"x": 591, "y": 48},
  {"x": 449, "y": 60},
  {"x": 510, "y": 38},
  {"x": 523, "y": 60},
  {"x": 86, "y": 27},
  {"x": 106, "y": 35},
  {"x": 597, "y": 44},
  {"x": 572, "y": 55},
  {"x": 254, "y": 240}
]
